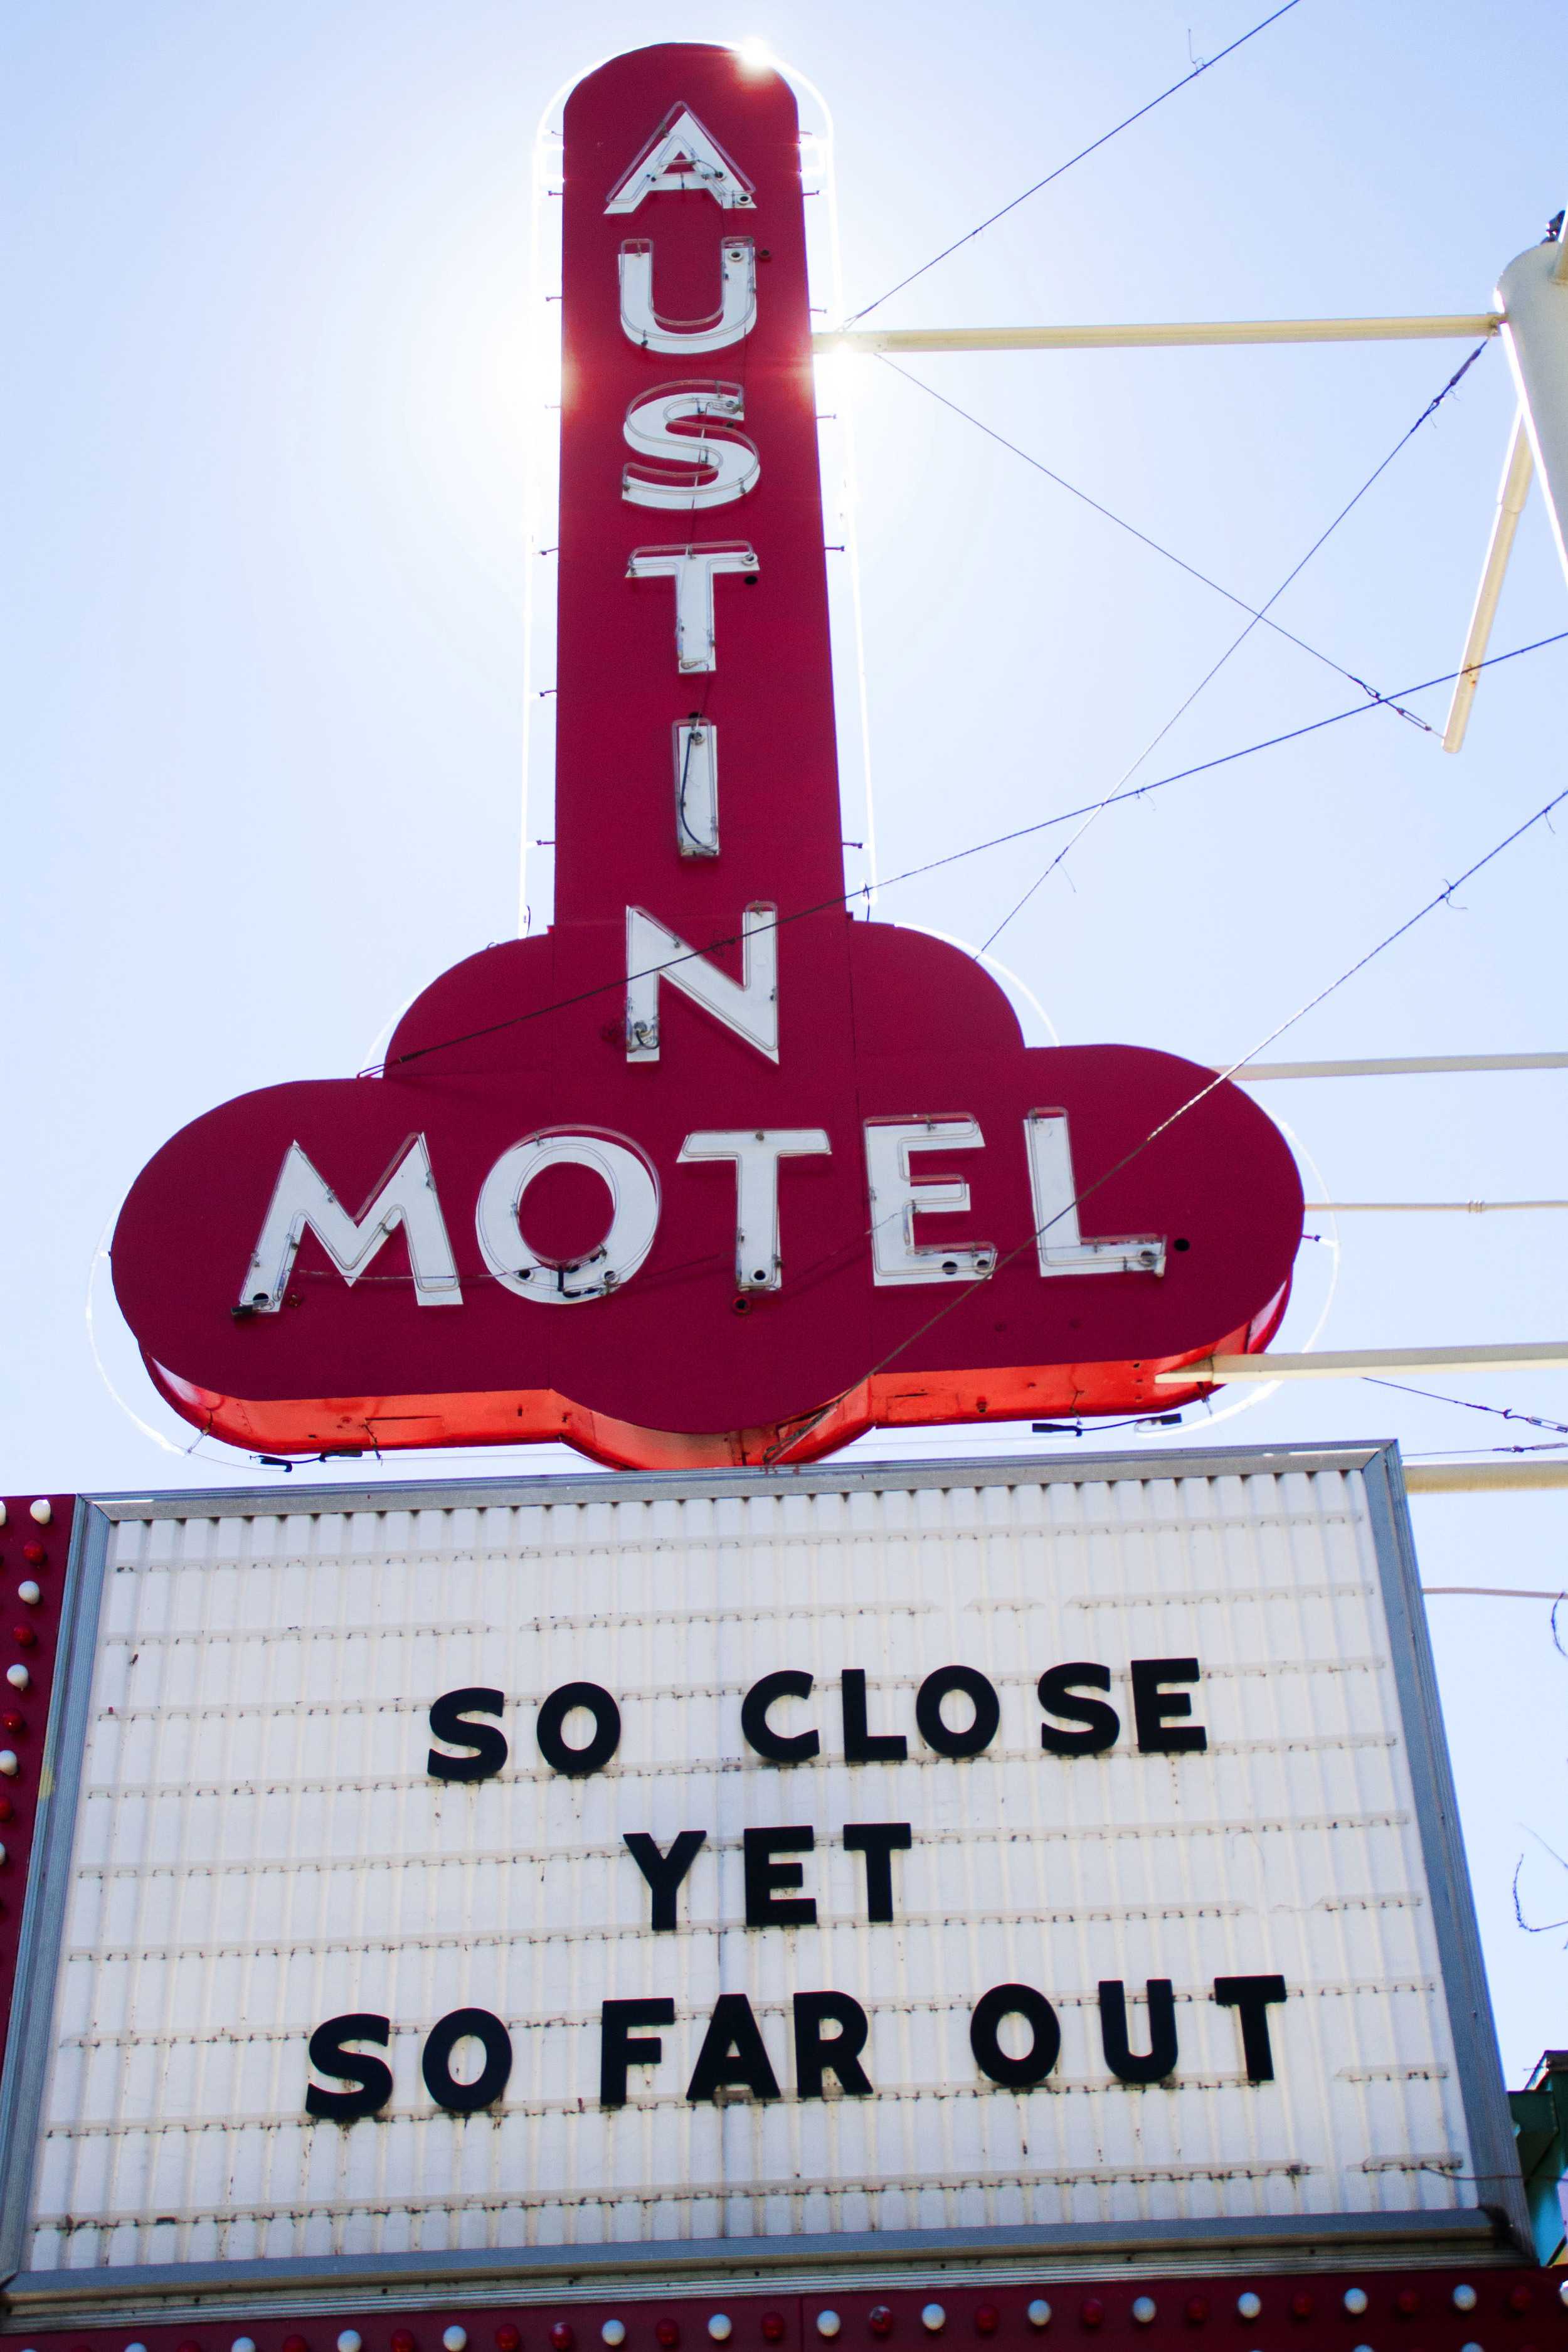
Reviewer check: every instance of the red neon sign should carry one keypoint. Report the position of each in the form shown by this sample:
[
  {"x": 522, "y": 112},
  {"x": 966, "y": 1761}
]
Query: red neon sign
[{"x": 710, "y": 1172}]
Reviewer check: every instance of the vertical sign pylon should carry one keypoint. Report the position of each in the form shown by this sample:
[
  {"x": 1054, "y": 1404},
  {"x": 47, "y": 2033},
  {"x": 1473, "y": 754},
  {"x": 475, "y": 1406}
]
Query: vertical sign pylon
[{"x": 791, "y": 1174}]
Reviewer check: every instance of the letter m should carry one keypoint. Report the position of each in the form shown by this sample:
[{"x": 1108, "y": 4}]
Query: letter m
[{"x": 407, "y": 1197}]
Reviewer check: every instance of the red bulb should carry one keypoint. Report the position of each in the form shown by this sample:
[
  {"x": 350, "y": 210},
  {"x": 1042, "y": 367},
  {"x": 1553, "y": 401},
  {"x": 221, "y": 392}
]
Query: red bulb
[
  {"x": 26, "y": 1639},
  {"x": 1518, "y": 2297},
  {"x": 1407, "y": 2303},
  {"x": 1301, "y": 2305},
  {"x": 36, "y": 1556},
  {"x": 667, "y": 2332},
  {"x": 402, "y": 2340},
  {"x": 508, "y": 2339},
  {"x": 560, "y": 2335},
  {"x": 985, "y": 2320},
  {"x": 14, "y": 1722},
  {"x": 190, "y": 2347},
  {"x": 295, "y": 2343},
  {"x": 6, "y": 1808},
  {"x": 772, "y": 2327},
  {"x": 1092, "y": 2313},
  {"x": 880, "y": 2319},
  {"x": 1197, "y": 2310}
]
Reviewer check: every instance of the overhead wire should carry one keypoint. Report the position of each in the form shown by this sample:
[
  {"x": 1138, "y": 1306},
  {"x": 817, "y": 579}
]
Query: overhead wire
[
  {"x": 949, "y": 857},
  {"x": 1204, "y": 64},
  {"x": 1234, "y": 647},
  {"x": 1468, "y": 1404},
  {"x": 1256, "y": 613},
  {"x": 804, "y": 1424}
]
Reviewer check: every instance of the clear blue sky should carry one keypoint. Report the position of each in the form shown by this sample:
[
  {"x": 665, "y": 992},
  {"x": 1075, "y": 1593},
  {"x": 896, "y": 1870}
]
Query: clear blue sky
[{"x": 267, "y": 441}]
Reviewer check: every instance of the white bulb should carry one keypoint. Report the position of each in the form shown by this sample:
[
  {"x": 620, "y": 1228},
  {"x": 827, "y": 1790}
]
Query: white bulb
[
  {"x": 30, "y": 1592},
  {"x": 1355, "y": 2300},
  {"x": 2, "y": 1514},
  {"x": 1143, "y": 2308},
  {"x": 41, "y": 1511},
  {"x": 934, "y": 2318},
  {"x": 614, "y": 2331},
  {"x": 350, "y": 2340},
  {"x": 9, "y": 1766},
  {"x": 243, "y": 2344},
  {"x": 454, "y": 2339},
  {"x": 2, "y": 1853},
  {"x": 130, "y": 2347},
  {"x": 1463, "y": 2298},
  {"x": 827, "y": 2322},
  {"x": 17, "y": 1677},
  {"x": 718, "y": 2327},
  {"x": 1040, "y": 2313},
  {"x": 1562, "y": 2292},
  {"x": 1249, "y": 2306}
]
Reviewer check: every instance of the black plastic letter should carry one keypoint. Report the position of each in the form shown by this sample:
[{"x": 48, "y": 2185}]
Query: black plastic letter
[
  {"x": 489, "y": 1744},
  {"x": 1153, "y": 1707},
  {"x": 818, "y": 2053},
  {"x": 981, "y": 1696},
  {"x": 620, "y": 2048},
  {"x": 1252, "y": 1996},
  {"x": 1160, "y": 2059},
  {"x": 860, "y": 1746},
  {"x": 1102, "y": 1725},
  {"x": 985, "y": 2040},
  {"x": 606, "y": 1714},
  {"x": 766, "y": 1905},
  {"x": 436, "y": 2064},
  {"x": 778, "y": 1746},
  {"x": 329, "y": 2056},
  {"x": 732, "y": 2056},
  {"x": 664, "y": 1873},
  {"x": 879, "y": 1842}
]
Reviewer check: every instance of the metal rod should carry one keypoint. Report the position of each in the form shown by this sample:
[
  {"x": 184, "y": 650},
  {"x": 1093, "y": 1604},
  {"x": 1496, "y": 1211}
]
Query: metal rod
[
  {"x": 1411, "y": 1067},
  {"x": 1484, "y": 1478},
  {"x": 1423, "y": 1208},
  {"x": 1492, "y": 1592},
  {"x": 1357, "y": 1363},
  {"x": 1512, "y": 491},
  {"x": 1436, "y": 328}
]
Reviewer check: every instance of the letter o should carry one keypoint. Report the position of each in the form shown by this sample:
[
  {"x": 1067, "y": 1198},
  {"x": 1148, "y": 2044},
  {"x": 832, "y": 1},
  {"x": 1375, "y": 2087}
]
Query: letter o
[
  {"x": 577, "y": 1761},
  {"x": 984, "y": 2036},
  {"x": 463, "y": 2099},
  {"x": 633, "y": 1189},
  {"x": 981, "y": 1696}
]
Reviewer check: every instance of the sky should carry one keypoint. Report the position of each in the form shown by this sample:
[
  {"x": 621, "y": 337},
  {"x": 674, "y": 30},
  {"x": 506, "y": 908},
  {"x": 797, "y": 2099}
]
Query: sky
[{"x": 273, "y": 415}]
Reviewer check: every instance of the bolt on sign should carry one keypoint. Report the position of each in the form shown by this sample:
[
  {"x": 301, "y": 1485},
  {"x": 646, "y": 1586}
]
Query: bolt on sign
[
  {"x": 709, "y": 1172},
  {"x": 977, "y": 1862}
]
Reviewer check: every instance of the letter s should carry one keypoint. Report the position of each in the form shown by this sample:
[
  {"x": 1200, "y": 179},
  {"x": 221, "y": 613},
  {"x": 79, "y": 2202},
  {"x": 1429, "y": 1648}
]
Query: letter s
[
  {"x": 329, "y": 2056},
  {"x": 446, "y": 1722},
  {"x": 712, "y": 473}
]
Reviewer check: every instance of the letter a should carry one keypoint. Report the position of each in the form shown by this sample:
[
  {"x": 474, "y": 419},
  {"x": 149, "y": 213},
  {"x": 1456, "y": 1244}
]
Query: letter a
[{"x": 683, "y": 158}]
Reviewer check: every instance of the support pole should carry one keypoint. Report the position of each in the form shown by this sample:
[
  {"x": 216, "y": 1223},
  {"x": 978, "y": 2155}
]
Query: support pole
[
  {"x": 1364, "y": 1364},
  {"x": 1418, "y": 1066},
  {"x": 1512, "y": 490},
  {"x": 1533, "y": 294},
  {"x": 1443, "y": 327}
]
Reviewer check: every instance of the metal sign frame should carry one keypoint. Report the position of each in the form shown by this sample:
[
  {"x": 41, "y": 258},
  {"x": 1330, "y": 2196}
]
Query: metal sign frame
[{"x": 1496, "y": 2225}]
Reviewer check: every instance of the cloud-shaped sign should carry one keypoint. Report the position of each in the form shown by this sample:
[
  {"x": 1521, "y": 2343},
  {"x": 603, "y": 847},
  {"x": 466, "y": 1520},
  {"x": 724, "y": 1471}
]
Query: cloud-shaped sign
[{"x": 529, "y": 1233}]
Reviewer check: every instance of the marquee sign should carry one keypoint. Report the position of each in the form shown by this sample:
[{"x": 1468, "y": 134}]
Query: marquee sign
[
  {"x": 710, "y": 1172},
  {"x": 979, "y": 1857}
]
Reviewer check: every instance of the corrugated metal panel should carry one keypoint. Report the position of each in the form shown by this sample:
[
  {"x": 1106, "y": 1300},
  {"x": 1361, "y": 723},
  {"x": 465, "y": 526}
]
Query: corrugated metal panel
[{"x": 259, "y": 1847}]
